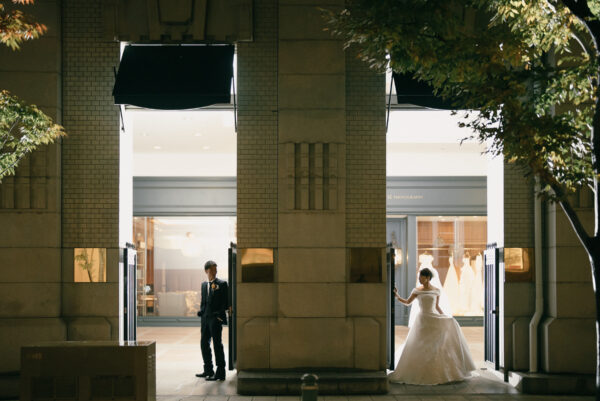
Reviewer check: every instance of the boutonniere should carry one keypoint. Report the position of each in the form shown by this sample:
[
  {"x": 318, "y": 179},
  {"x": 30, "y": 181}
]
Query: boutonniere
[{"x": 214, "y": 286}]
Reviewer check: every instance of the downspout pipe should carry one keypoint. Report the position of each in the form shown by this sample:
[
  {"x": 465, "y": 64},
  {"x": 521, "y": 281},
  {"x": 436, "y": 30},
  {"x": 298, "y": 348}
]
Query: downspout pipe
[{"x": 539, "y": 283}]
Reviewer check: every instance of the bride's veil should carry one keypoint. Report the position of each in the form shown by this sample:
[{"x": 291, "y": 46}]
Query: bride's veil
[{"x": 444, "y": 300}]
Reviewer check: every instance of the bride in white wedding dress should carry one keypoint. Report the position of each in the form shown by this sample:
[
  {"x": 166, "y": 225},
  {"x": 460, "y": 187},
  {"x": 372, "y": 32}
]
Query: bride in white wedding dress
[{"x": 435, "y": 350}]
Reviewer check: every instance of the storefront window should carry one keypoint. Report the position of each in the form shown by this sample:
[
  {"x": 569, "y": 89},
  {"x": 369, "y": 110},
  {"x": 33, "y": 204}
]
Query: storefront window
[
  {"x": 171, "y": 256},
  {"x": 452, "y": 247}
]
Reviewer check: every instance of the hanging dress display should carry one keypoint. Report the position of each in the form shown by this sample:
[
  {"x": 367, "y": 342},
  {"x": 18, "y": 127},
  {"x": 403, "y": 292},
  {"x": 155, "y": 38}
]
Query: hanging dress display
[
  {"x": 451, "y": 286},
  {"x": 467, "y": 280}
]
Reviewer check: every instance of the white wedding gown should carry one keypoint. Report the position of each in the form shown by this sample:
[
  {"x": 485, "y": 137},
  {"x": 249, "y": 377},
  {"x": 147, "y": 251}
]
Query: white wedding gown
[{"x": 435, "y": 350}]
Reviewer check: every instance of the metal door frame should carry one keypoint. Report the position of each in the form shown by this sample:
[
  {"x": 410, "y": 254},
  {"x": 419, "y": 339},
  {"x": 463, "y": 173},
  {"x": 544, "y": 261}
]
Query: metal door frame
[
  {"x": 391, "y": 301},
  {"x": 492, "y": 305},
  {"x": 232, "y": 261},
  {"x": 128, "y": 259}
]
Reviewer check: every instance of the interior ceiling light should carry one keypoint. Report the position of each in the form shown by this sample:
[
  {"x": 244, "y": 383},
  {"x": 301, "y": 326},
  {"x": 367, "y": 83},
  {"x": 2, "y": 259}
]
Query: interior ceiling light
[{"x": 157, "y": 147}]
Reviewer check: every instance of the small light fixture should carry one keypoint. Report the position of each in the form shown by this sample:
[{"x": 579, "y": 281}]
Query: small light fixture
[
  {"x": 398, "y": 256},
  {"x": 157, "y": 147},
  {"x": 205, "y": 147}
]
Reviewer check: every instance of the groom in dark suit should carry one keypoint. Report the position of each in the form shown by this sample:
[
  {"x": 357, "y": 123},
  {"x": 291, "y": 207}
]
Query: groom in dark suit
[{"x": 215, "y": 301}]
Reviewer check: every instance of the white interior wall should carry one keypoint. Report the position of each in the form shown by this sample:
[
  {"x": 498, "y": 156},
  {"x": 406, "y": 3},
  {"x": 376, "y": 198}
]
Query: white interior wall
[{"x": 203, "y": 143}]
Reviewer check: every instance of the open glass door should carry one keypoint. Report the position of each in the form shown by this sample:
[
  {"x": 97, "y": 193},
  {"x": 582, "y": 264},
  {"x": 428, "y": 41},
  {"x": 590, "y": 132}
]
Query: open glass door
[
  {"x": 232, "y": 302},
  {"x": 391, "y": 324},
  {"x": 491, "y": 315},
  {"x": 128, "y": 263}
]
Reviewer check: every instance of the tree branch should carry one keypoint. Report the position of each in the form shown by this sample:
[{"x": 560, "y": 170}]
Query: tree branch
[
  {"x": 3, "y": 172},
  {"x": 8, "y": 134},
  {"x": 577, "y": 226},
  {"x": 574, "y": 219},
  {"x": 581, "y": 10}
]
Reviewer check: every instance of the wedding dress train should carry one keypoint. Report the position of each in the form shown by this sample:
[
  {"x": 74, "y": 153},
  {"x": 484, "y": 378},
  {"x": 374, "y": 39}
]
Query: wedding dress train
[{"x": 435, "y": 350}]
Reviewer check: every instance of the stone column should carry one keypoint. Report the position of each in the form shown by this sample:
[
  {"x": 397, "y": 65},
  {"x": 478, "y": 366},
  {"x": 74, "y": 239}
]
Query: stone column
[
  {"x": 314, "y": 115},
  {"x": 568, "y": 335},
  {"x": 90, "y": 170},
  {"x": 30, "y": 208},
  {"x": 518, "y": 298}
]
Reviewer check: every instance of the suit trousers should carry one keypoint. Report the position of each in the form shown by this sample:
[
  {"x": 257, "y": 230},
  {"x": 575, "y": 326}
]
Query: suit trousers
[{"x": 212, "y": 328}]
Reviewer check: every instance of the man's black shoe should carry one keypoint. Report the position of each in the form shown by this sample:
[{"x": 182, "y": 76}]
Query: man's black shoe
[
  {"x": 205, "y": 374},
  {"x": 216, "y": 377}
]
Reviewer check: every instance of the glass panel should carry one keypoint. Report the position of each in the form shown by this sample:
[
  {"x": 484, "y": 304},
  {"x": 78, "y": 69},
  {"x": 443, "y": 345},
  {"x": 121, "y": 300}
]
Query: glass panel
[
  {"x": 90, "y": 265},
  {"x": 171, "y": 256},
  {"x": 452, "y": 247}
]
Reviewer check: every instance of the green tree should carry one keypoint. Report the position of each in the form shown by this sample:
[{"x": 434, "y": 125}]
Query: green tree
[
  {"x": 22, "y": 127},
  {"x": 530, "y": 70}
]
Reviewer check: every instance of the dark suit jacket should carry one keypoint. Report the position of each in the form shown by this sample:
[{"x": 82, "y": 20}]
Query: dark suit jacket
[{"x": 214, "y": 305}]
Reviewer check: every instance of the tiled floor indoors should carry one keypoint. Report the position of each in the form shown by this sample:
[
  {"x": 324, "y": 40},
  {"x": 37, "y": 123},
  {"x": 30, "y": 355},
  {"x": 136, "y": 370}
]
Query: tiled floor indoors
[{"x": 179, "y": 358}]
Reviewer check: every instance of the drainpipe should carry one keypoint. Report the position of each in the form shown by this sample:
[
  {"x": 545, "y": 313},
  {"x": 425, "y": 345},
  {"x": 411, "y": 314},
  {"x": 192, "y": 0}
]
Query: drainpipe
[{"x": 539, "y": 284}]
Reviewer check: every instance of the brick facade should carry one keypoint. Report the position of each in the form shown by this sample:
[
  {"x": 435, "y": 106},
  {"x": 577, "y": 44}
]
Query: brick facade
[
  {"x": 365, "y": 155},
  {"x": 90, "y": 159},
  {"x": 257, "y": 131},
  {"x": 518, "y": 208}
]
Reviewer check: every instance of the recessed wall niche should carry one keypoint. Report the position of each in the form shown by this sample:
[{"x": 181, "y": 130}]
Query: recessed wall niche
[
  {"x": 257, "y": 265},
  {"x": 89, "y": 265},
  {"x": 365, "y": 265}
]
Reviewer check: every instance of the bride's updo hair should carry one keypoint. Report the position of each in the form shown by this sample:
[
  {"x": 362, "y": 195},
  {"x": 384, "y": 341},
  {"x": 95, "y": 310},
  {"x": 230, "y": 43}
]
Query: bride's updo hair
[{"x": 426, "y": 273}]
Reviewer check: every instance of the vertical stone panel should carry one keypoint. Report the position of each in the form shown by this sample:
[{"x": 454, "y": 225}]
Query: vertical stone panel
[
  {"x": 22, "y": 184},
  {"x": 569, "y": 295},
  {"x": 38, "y": 180},
  {"x": 29, "y": 215}
]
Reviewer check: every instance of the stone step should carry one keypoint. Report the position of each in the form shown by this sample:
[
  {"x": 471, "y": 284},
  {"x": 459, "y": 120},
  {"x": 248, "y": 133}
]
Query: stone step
[
  {"x": 545, "y": 383},
  {"x": 329, "y": 382}
]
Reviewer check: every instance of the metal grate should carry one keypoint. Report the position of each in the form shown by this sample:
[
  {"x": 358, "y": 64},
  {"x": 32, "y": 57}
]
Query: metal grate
[
  {"x": 103, "y": 387},
  {"x": 52, "y": 388}
]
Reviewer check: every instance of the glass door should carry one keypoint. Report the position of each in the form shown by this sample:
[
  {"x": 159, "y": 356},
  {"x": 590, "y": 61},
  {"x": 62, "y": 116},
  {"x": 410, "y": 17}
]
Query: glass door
[{"x": 396, "y": 228}]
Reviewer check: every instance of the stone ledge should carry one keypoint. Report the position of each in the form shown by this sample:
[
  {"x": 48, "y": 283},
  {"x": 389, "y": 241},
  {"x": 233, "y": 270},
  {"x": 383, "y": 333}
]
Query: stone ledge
[
  {"x": 287, "y": 382},
  {"x": 546, "y": 383}
]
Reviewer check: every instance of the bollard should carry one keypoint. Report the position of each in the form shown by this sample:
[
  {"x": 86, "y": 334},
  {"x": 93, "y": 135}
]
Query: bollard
[{"x": 309, "y": 388}]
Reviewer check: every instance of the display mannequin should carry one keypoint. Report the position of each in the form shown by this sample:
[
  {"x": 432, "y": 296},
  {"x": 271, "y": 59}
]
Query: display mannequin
[
  {"x": 477, "y": 293},
  {"x": 426, "y": 261},
  {"x": 467, "y": 280},
  {"x": 451, "y": 285}
]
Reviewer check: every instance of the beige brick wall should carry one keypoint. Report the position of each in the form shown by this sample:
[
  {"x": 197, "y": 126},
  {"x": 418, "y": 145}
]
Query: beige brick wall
[
  {"x": 257, "y": 131},
  {"x": 365, "y": 155},
  {"x": 518, "y": 208},
  {"x": 519, "y": 297},
  {"x": 90, "y": 169},
  {"x": 91, "y": 150}
]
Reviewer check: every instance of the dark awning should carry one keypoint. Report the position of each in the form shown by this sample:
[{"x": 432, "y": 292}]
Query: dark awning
[
  {"x": 411, "y": 91},
  {"x": 174, "y": 77}
]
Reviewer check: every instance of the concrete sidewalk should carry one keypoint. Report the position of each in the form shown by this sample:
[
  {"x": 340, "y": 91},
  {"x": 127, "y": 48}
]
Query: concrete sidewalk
[{"x": 408, "y": 397}]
